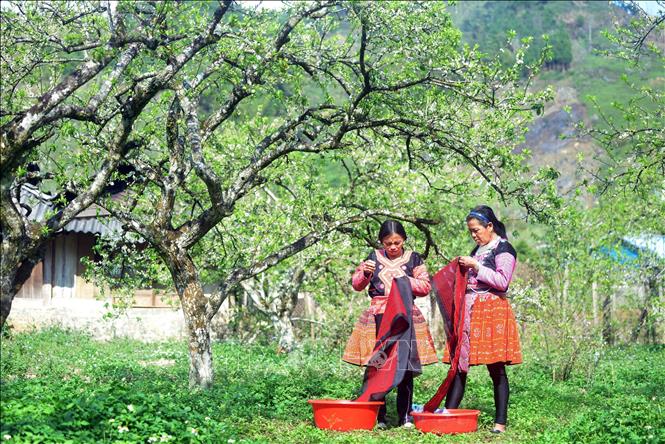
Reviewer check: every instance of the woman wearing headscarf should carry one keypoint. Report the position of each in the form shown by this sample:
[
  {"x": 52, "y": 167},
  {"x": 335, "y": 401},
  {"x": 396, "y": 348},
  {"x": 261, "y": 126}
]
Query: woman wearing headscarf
[{"x": 489, "y": 335}]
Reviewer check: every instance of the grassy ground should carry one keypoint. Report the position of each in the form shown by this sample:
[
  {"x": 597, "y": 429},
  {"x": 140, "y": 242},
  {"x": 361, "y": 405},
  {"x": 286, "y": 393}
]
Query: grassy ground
[{"x": 63, "y": 387}]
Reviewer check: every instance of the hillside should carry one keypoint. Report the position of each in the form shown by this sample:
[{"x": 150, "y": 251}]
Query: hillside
[{"x": 577, "y": 72}]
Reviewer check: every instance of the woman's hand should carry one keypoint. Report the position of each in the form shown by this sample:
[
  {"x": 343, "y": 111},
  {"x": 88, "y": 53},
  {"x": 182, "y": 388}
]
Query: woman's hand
[
  {"x": 469, "y": 262},
  {"x": 368, "y": 267}
]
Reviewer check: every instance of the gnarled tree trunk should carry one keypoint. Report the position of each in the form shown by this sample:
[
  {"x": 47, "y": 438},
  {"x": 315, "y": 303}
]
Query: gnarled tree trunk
[
  {"x": 19, "y": 252},
  {"x": 194, "y": 304},
  {"x": 284, "y": 328},
  {"x": 278, "y": 303},
  {"x": 14, "y": 271}
]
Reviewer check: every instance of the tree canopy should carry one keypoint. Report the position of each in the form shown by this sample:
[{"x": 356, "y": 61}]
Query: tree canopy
[{"x": 231, "y": 121}]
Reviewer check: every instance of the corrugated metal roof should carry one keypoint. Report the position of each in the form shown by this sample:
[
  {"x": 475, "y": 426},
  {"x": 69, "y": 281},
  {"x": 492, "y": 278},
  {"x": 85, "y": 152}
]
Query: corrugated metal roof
[
  {"x": 93, "y": 210},
  {"x": 38, "y": 202},
  {"x": 107, "y": 225},
  {"x": 94, "y": 219}
]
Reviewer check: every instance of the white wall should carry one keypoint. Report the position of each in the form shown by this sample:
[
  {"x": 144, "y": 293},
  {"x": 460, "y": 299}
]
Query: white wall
[{"x": 145, "y": 324}]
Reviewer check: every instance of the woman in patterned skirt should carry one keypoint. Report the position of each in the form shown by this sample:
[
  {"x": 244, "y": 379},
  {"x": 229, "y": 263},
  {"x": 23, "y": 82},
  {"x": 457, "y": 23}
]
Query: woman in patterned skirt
[
  {"x": 490, "y": 334},
  {"x": 377, "y": 272}
]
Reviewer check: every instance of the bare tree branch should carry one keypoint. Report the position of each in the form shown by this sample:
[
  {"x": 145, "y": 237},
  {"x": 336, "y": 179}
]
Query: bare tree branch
[{"x": 240, "y": 274}]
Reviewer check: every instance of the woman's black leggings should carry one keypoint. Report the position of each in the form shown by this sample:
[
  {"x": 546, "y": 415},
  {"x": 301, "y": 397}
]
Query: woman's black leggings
[
  {"x": 404, "y": 391},
  {"x": 501, "y": 391}
]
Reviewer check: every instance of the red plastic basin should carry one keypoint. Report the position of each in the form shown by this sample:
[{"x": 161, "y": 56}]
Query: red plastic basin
[
  {"x": 339, "y": 415},
  {"x": 454, "y": 421}
]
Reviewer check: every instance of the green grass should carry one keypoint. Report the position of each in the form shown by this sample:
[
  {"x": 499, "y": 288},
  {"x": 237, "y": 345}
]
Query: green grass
[{"x": 61, "y": 386}]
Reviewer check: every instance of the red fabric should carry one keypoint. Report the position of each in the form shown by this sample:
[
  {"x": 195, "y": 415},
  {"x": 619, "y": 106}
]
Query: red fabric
[
  {"x": 395, "y": 351},
  {"x": 450, "y": 288}
]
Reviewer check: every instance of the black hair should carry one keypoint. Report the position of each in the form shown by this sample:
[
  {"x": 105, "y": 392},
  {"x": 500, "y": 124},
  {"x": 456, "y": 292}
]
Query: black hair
[
  {"x": 391, "y": 227},
  {"x": 485, "y": 215}
]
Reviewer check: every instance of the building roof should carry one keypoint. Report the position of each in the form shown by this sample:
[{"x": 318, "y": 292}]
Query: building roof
[
  {"x": 94, "y": 219},
  {"x": 652, "y": 243},
  {"x": 638, "y": 250}
]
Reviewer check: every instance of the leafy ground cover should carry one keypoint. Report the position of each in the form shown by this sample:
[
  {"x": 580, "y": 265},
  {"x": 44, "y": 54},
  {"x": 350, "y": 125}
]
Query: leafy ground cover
[{"x": 60, "y": 386}]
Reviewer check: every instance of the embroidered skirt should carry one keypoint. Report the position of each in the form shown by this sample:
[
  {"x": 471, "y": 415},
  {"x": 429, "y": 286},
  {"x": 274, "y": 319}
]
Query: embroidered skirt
[
  {"x": 363, "y": 338},
  {"x": 493, "y": 334}
]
